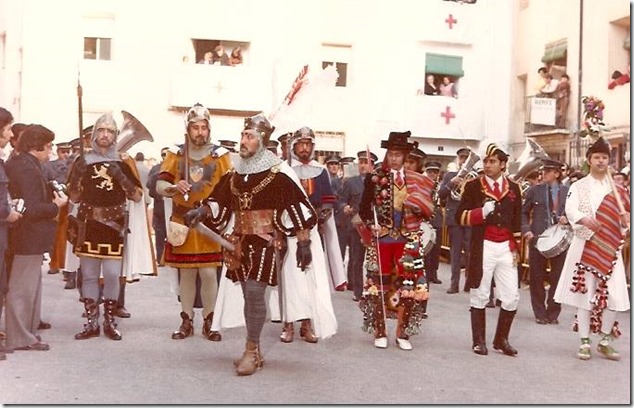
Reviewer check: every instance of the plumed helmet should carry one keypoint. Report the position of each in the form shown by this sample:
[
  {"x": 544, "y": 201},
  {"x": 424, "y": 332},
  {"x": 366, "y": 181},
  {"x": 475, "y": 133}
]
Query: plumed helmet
[
  {"x": 495, "y": 149},
  {"x": 197, "y": 113},
  {"x": 260, "y": 124}
]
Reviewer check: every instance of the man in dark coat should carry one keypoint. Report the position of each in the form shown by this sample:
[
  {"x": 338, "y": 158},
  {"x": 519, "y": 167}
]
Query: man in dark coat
[
  {"x": 544, "y": 206},
  {"x": 30, "y": 237},
  {"x": 492, "y": 206},
  {"x": 459, "y": 235}
]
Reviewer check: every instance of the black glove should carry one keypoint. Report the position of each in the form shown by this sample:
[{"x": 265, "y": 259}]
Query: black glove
[
  {"x": 303, "y": 255},
  {"x": 127, "y": 184},
  {"x": 193, "y": 217}
]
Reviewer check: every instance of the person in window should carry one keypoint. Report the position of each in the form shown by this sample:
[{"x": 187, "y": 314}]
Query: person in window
[
  {"x": 618, "y": 79},
  {"x": 430, "y": 86},
  {"x": 220, "y": 57},
  {"x": 447, "y": 88},
  {"x": 207, "y": 58},
  {"x": 541, "y": 81},
  {"x": 236, "y": 57}
]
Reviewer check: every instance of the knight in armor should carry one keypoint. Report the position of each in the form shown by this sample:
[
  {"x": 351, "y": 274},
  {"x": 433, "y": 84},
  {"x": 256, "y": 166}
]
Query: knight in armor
[
  {"x": 275, "y": 242},
  {"x": 101, "y": 182},
  {"x": 315, "y": 180},
  {"x": 395, "y": 202},
  {"x": 188, "y": 176},
  {"x": 593, "y": 276},
  {"x": 491, "y": 205},
  {"x": 543, "y": 208}
]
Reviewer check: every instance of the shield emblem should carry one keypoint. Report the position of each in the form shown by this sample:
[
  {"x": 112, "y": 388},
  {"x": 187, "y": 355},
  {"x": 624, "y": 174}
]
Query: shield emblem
[{"x": 195, "y": 173}]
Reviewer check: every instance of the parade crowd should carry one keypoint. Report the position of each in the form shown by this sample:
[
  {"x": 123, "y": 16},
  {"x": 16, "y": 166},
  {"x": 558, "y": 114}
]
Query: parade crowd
[{"x": 260, "y": 230}]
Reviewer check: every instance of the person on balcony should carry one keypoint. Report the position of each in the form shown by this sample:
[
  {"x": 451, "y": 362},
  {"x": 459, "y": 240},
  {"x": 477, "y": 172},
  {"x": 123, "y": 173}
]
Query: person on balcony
[
  {"x": 618, "y": 79},
  {"x": 220, "y": 56},
  {"x": 562, "y": 93}
]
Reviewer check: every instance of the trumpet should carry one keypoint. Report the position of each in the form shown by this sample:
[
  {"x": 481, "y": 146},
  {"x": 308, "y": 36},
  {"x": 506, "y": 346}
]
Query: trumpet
[{"x": 465, "y": 172}]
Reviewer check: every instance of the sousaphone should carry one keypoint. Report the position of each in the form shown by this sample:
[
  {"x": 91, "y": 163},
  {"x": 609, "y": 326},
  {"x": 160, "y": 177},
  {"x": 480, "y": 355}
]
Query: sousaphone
[{"x": 132, "y": 132}]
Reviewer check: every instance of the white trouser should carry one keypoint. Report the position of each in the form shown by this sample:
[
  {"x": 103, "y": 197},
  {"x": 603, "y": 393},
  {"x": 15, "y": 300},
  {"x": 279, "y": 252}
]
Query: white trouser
[{"x": 497, "y": 263}]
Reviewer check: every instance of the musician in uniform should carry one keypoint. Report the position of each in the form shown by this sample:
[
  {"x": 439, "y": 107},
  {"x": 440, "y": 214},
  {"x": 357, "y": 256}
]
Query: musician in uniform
[
  {"x": 492, "y": 206},
  {"x": 351, "y": 193},
  {"x": 432, "y": 259},
  {"x": 543, "y": 208},
  {"x": 187, "y": 176},
  {"x": 284, "y": 139},
  {"x": 593, "y": 276},
  {"x": 274, "y": 236},
  {"x": 57, "y": 170},
  {"x": 459, "y": 235},
  {"x": 101, "y": 182},
  {"x": 399, "y": 200}
]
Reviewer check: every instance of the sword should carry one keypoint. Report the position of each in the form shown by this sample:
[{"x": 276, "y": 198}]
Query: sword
[{"x": 214, "y": 236}]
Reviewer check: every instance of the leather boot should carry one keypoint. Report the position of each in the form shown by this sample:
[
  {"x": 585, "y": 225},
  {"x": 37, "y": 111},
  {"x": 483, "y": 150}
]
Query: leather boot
[
  {"x": 287, "y": 333},
  {"x": 64, "y": 276},
  {"x": 91, "y": 328},
  {"x": 251, "y": 360},
  {"x": 380, "y": 337},
  {"x": 109, "y": 325},
  {"x": 404, "y": 313},
  {"x": 501, "y": 340},
  {"x": 478, "y": 331},
  {"x": 186, "y": 329},
  {"x": 306, "y": 332},
  {"x": 209, "y": 334},
  {"x": 121, "y": 310},
  {"x": 71, "y": 282}
]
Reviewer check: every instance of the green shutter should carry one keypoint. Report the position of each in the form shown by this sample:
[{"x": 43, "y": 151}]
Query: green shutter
[
  {"x": 555, "y": 51},
  {"x": 443, "y": 64},
  {"x": 626, "y": 43}
]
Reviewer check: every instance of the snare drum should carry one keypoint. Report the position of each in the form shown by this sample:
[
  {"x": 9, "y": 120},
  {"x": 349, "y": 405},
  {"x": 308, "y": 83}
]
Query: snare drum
[
  {"x": 554, "y": 240},
  {"x": 427, "y": 236}
]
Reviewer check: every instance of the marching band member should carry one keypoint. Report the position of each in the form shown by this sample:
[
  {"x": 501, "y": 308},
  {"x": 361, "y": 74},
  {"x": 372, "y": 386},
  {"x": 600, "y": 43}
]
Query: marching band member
[
  {"x": 399, "y": 200},
  {"x": 492, "y": 206},
  {"x": 593, "y": 276},
  {"x": 544, "y": 207}
]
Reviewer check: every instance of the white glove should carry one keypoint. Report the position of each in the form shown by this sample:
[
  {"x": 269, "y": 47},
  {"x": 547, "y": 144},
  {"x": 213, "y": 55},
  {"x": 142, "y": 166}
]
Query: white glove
[{"x": 488, "y": 208}]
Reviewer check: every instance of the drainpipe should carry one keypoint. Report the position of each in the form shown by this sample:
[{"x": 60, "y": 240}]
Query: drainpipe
[{"x": 579, "y": 87}]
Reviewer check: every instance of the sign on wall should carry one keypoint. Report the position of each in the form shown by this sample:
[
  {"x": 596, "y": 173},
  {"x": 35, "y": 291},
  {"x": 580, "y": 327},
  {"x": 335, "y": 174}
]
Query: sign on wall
[{"x": 543, "y": 111}]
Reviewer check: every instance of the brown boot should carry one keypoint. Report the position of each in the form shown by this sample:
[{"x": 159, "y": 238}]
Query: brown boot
[
  {"x": 287, "y": 333},
  {"x": 91, "y": 328},
  {"x": 306, "y": 332},
  {"x": 109, "y": 325},
  {"x": 251, "y": 360},
  {"x": 209, "y": 334},
  {"x": 186, "y": 329}
]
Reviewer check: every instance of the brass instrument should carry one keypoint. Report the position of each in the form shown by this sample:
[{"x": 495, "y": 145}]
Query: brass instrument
[
  {"x": 465, "y": 170},
  {"x": 529, "y": 161},
  {"x": 132, "y": 132}
]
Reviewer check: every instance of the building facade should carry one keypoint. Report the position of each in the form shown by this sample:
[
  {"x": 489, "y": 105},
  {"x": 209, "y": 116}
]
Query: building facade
[{"x": 142, "y": 57}]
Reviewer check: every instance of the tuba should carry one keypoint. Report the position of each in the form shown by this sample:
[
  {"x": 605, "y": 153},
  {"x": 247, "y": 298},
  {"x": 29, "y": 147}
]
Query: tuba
[
  {"x": 132, "y": 132},
  {"x": 466, "y": 173},
  {"x": 529, "y": 161}
]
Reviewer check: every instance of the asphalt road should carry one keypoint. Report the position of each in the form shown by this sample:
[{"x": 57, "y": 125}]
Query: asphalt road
[{"x": 148, "y": 367}]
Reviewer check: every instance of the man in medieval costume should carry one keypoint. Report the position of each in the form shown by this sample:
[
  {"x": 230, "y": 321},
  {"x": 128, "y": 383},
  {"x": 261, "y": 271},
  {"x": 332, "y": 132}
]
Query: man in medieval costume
[
  {"x": 101, "y": 182},
  {"x": 491, "y": 205},
  {"x": 272, "y": 227},
  {"x": 187, "y": 176},
  {"x": 593, "y": 276},
  {"x": 394, "y": 203}
]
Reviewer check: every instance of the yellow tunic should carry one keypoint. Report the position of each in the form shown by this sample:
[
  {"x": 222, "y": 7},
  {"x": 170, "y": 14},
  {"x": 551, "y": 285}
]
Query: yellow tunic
[{"x": 197, "y": 251}]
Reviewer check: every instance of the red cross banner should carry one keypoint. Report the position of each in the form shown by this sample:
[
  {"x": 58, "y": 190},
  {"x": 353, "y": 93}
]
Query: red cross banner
[{"x": 436, "y": 116}]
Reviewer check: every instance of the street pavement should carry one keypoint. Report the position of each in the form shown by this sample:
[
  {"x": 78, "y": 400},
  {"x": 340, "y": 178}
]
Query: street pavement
[{"x": 148, "y": 367}]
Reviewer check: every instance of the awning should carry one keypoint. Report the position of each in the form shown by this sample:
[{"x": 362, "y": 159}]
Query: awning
[
  {"x": 555, "y": 51},
  {"x": 626, "y": 43},
  {"x": 443, "y": 64}
]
